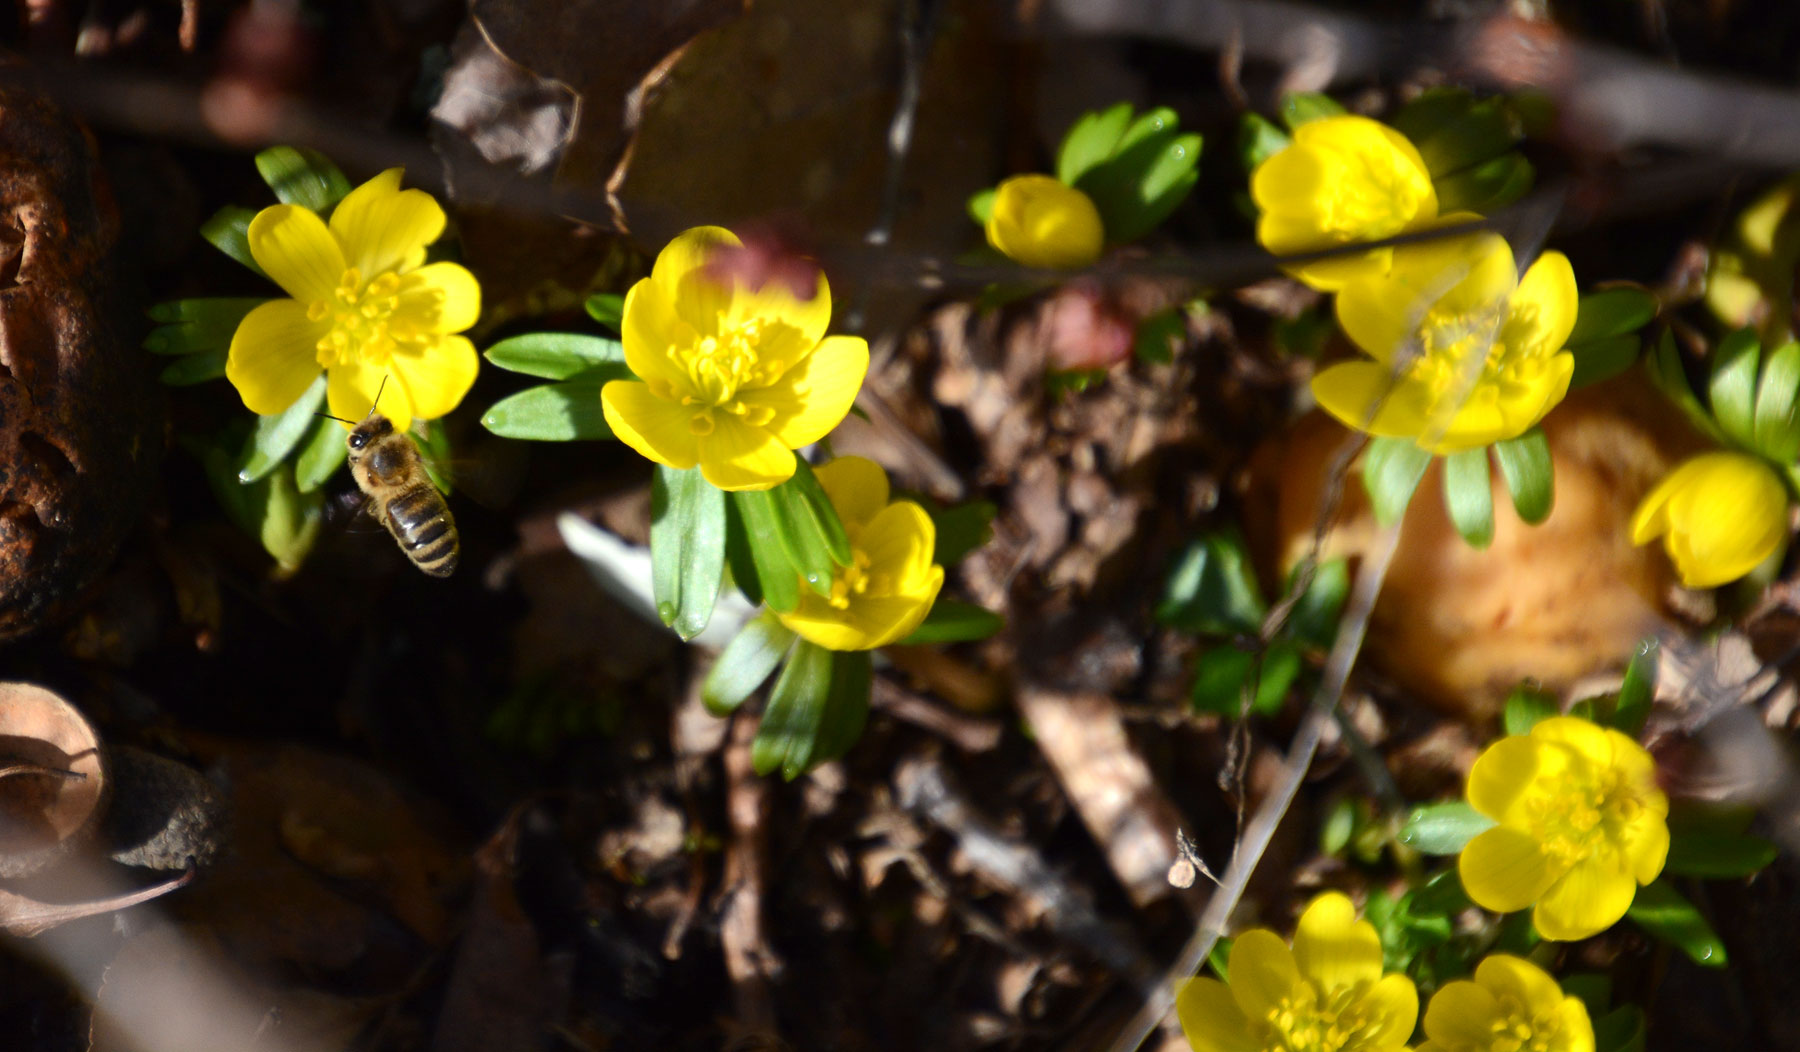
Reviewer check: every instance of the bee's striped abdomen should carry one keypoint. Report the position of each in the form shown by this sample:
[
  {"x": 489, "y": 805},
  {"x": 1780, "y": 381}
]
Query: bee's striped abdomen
[{"x": 420, "y": 520}]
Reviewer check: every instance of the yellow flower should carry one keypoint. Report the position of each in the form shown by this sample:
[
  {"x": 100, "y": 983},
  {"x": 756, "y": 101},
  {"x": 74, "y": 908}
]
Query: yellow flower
[
  {"x": 1325, "y": 994},
  {"x": 731, "y": 378},
  {"x": 1038, "y": 221},
  {"x": 1453, "y": 317},
  {"x": 891, "y": 582},
  {"x": 1343, "y": 180},
  {"x": 366, "y": 308},
  {"x": 1719, "y": 515},
  {"x": 1512, "y": 1006},
  {"x": 1581, "y": 824}
]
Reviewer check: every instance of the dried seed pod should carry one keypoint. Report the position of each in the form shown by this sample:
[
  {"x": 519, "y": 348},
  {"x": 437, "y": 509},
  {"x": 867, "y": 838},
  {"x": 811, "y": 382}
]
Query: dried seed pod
[
  {"x": 164, "y": 815},
  {"x": 52, "y": 779},
  {"x": 80, "y": 414}
]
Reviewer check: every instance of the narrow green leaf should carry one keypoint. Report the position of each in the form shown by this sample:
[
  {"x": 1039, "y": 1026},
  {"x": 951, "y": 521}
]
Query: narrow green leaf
[
  {"x": 960, "y": 529},
  {"x": 195, "y": 368},
  {"x": 1430, "y": 111},
  {"x": 1469, "y": 496},
  {"x": 1661, "y": 910},
  {"x": 779, "y": 581},
  {"x": 1638, "y": 690},
  {"x": 738, "y": 559},
  {"x": 745, "y": 663},
  {"x": 432, "y": 439},
  {"x": 229, "y": 231},
  {"x": 560, "y": 412},
  {"x": 1611, "y": 312},
  {"x": 1666, "y": 370},
  {"x": 1623, "y": 1029},
  {"x": 1300, "y": 107},
  {"x": 1732, "y": 389},
  {"x": 846, "y": 708},
  {"x": 272, "y": 509},
  {"x": 1258, "y": 140},
  {"x": 194, "y": 325},
  {"x": 1150, "y": 173},
  {"x": 821, "y": 515},
  {"x": 687, "y": 548},
  {"x": 1477, "y": 133},
  {"x": 276, "y": 436},
  {"x": 1392, "y": 468},
  {"x": 951, "y": 621},
  {"x": 303, "y": 177},
  {"x": 1441, "y": 896},
  {"x": 1530, "y": 477},
  {"x": 1717, "y": 855},
  {"x": 1159, "y": 335},
  {"x": 1777, "y": 425},
  {"x": 1485, "y": 187},
  {"x": 1603, "y": 359},
  {"x": 1213, "y": 589},
  {"x": 607, "y": 308},
  {"x": 1443, "y": 829},
  {"x": 1091, "y": 140},
  {"x": 1526, "y": 707},
  {"x": 789, "y": 732},
  {"x": 1315, "y": 617},
  {"x": 981, "y": 205},
  {"x": 555, "y": 355},
  {"x": 323, "y": 452},
  {"x": 1222, "y": 673},
  {"x": 808, "y": 529}
]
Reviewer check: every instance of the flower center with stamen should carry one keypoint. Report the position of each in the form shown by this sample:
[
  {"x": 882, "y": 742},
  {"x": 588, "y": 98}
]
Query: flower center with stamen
[
  {"x": 1519, "y": 1031},
  {"x": 1581, "y": 814},
  {"x": 719, "y": 368},
  {"x": 850, "y": 582},
  {"x": 361, "y": 318},
  {"x": 1299, "y": 1023},
  {"x": 1465, "y": 352}
]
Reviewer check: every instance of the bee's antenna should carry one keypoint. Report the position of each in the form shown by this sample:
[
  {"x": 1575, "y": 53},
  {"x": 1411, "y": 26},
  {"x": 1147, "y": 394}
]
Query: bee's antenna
[
  {"x": 339, "y": 419},
  {"x": 378, "y": 390}
]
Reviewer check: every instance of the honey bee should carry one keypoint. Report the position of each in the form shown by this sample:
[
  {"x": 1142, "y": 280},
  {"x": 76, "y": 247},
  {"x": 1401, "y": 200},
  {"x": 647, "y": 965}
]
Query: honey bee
[{"x": 390, "y": 472}]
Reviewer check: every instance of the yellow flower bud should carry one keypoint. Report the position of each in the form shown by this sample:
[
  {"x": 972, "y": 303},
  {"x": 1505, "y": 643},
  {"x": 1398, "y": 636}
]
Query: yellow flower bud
[
  {"x": 1511, "y": 1005},
  {"x": 1040, "y": 222},
  {"x": 1719, "y": 515}
]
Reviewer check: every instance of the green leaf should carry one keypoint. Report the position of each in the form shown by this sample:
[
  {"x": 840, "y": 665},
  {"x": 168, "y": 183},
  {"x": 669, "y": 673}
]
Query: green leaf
[
  {"x": 555, "y": 355},
  {"x": 560, "y": 412},
  {"x": 687, "y": 548},
  {"x": 1486, "y": 187},
  {"x": 1090, "y": 140},
  {"x": 1526, "y": 707},
  {"x": 1258, "y": 140},
  {"x": 272, "y": 509},
  {"x": 189, "y": 326},
  {"x": 1220, "y": 676},
  {"x": 195, "y": 368},
  {"x": 607, "y": 308},
  {"x": 1603, "y": 359},
  {"x": 775, "y": 574},
  {"x": 432, "y": 439},
  {"x": 1665, "y": 368},
  {"x": 1315, "y": 616},
  {"x": 1638, "y": 690},
  {"x": 1593, "y": 989},
  {"x": 1611, "y": 312},
  {"x": 1530, "y": 477},
  {"x": 1777, "y": 425},
  {"x": 1621, "y": 1030},
  {"x": 1158, "y": 336},
  {"x": 229, "y": 231},
  {"x": 1443, "y": 829},
  {"x": 323, "y": 452},
  {"x": 1717, "y": 855},
  {"x": 1441, "y": 896},
  {"x": 951, "y": 621},
  {"x": 1476, "y": 133},
  {"x": 276, "y": 436},
  {"x": 303, "y": 177},
  {"x": 1661, "y": 910},
  {"x": 981, "y": 205},
  {"x": 1430, "y": 111},
  {"x": 961, "y": 529},
  {"x": 738, "y": 560},
  {"x": 816, "y": 710},
  {"x": 808, "y": 528},
  {"x": 1469, "y": 496},
  {"x": 745, "y": 663},
  {"x": 1213, "y": 589},
  {"x": 1300, "y": 107},
  {"x": 1392, "y": 468},
  {"x": 1732, "y": 389},
  {"x": 1151, "y": 170}
]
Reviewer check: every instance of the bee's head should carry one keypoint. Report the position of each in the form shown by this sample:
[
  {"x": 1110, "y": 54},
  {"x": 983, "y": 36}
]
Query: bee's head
[{"x": 367, "y": 432}]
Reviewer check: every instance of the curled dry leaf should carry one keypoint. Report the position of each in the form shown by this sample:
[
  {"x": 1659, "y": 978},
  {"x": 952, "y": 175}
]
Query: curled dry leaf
[{"x": 52, "y": 780}]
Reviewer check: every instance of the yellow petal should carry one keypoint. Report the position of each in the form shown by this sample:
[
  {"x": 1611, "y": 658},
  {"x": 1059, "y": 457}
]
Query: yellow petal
[
  {"x": 1462, "y": 1015},
  {"x": 898, "y": 542},
  {"x": 865, "y": 624},
  {"x": 1503, "y": 870},
  {"x": 1393, "y": 1002},
  {"x": 383, "y": 227},
  {"x": 1589, "y": 899},
  {"x": 1576, "y": 1028},
  {"x": 1727, "y": 512},
  {"x": 438, "y": 297},
  {"x": 807, "y": 317},
  {"x": 294, "y": 248},
  {"x": 649, "y": 330},
  {"x": 1590, "y": 741},
  {"x": 1211, "y": 1020},
  {"x": 1506, "y": 772},
  {"x": 1541, "y": 313},
  {"x": 1262, "y": 971},
  {"x": 354, "y": 388},
  {"x": 657, "y": 429},
  {"x": 1332, "y": 948},
  {"x": 1644, "y": 844},
  {"x": 1517, "y": 980},
  {"x": 1352, "y": 391},
  {"x": 437, "y": 375},
  {"x": 814, "y": 396},
  {"x": 700, "y": 299},
  {"x": 1038, "y": 221},
  {"x": 1286, "y": 185},
  {"x": 274, "y": 356},
  {"x": 736, "y": 456},
  {"x": 857, "y": 488}
]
